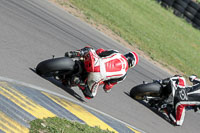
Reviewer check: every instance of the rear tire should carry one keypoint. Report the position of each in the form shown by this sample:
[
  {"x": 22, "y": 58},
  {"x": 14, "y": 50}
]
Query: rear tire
[
  {"x": 49, "y": 67},
  {"x": 150, "y": 89}
]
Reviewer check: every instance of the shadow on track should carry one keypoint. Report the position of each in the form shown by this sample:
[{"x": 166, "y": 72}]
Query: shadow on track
[
  {"x": 152, "y": 109},
  {"x": 68, "y": 89}
]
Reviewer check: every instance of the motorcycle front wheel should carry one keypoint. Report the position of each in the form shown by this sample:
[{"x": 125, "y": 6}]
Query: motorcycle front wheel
[
  {"x": 150, "y": 89},
  {"x": 52, "y": 66}
]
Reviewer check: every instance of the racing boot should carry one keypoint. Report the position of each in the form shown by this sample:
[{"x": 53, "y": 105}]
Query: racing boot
[
  {"x": 107, "y": 90},
  {"x": 86, "y": 91},
  {"x": 169, "y": 113},
  {"x": 173, "y": 119},
  {"x": 107, "y": 87}
]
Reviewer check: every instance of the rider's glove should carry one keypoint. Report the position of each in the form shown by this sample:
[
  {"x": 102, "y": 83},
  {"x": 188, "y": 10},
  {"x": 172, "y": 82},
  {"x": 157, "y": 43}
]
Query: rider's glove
[
  {"x": 158, "y": 81},
  {"x": 192, "y": 78},
  {"x": 165, "y": 81},
  {"x": 84, "y": 50},
  {"x": 72, "y": 54}
]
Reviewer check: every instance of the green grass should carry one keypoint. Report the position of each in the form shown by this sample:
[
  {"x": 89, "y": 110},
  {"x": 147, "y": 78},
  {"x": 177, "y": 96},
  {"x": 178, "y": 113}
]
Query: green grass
[
  {"x": 58, "y": 125},
  {"x": 155, "y": 30}
]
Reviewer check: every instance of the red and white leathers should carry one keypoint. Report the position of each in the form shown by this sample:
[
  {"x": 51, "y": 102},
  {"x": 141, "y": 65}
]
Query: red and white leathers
[
  {"x": 183, "y": 96},
  {"x": 108, "y": 68}
]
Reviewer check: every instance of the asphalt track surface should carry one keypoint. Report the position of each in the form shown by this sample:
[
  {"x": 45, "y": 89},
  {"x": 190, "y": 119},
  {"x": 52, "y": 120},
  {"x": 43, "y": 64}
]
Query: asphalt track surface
[
  {"x": 22, "y": 103},
  {"x": 34, "y": 30}
]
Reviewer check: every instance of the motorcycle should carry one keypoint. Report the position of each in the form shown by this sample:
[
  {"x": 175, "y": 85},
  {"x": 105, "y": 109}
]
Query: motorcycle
[
  {"x": 67, "y": 69},
  {"x": 161, "y": 94},
  {"x": 157, "y": 94}
]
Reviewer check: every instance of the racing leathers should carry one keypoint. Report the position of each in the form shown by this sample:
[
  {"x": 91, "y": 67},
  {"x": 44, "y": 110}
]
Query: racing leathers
[
  {"x": 182, "y": 97},
  {"x": 108, "y": 67}
]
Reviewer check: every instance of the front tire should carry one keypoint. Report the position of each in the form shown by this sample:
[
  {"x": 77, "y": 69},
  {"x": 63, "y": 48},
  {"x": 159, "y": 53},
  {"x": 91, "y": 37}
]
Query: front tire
[
  {"x": 150, "y": 89},
  {"x": 50, "y": 67}
]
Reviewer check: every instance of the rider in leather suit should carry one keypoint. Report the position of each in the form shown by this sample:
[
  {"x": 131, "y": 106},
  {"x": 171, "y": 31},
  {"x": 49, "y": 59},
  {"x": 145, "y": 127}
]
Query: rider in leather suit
[
  {"x": 183, "y": 98},
  {"x": 110, "y": 67}
]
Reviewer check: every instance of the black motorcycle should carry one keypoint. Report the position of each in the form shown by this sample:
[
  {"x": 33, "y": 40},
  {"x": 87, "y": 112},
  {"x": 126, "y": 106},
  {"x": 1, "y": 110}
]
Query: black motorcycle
[
  {"x": 156, "y": 94},
  {"x": 64, "y": 69}
]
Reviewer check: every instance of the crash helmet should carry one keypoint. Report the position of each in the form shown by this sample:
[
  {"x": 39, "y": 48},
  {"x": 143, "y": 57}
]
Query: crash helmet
[{"x": 132, "y": 59}]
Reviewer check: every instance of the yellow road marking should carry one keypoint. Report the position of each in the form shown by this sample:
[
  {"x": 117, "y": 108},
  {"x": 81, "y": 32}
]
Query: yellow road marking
[
  {"x": 81, "y": 113},
  {"x": 24, "y": 102},
  {"x": 133, "y": 130},
  {"x": 9, "y": 126}
]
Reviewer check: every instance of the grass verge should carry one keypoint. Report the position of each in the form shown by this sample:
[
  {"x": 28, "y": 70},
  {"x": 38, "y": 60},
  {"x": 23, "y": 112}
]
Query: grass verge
[
  {"x": 59, "y": 125},
  {"x": 155, "y": 30}
]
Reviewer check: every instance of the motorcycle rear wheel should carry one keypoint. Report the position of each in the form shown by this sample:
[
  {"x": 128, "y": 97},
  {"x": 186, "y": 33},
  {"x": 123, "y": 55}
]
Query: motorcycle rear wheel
[
  {"x": 150, "y": 89},
  {"x": 50, "y": 67}
]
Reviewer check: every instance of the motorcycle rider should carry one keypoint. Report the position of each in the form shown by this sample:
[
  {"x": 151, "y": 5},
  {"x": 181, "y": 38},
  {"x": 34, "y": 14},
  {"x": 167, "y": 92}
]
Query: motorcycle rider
[
  {"x": 181, "y": 97},
  {"x": 107, "y": 67}
]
